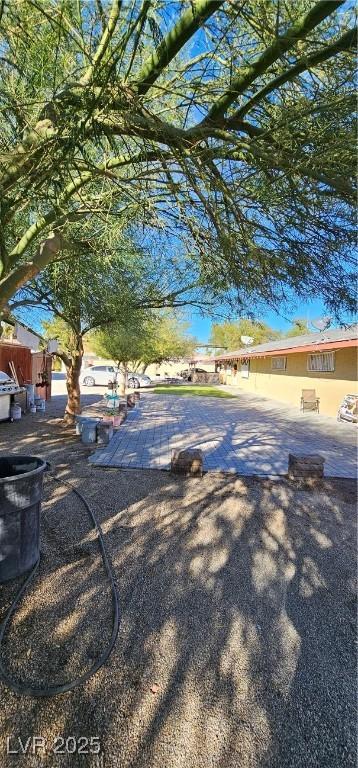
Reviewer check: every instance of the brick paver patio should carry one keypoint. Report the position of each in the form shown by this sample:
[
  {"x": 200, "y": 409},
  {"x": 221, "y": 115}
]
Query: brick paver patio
[{"x": 247, "y": 434}]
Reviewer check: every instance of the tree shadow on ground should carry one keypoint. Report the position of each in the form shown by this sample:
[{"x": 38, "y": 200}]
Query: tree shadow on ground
[{"x": 235, "y": 645}]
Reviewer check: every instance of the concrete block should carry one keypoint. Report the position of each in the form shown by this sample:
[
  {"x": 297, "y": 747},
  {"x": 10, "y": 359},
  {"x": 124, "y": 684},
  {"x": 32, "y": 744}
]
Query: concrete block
[
  {"x": 122, "y": 412},
  {"x": 307, "y": 466},
  {"x": 104, "y": 432},
  {"x": 187, "y": 462}
]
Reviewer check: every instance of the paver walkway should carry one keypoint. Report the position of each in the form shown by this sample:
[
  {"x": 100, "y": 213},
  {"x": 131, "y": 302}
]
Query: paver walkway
[{"x": 247, "y": 434}]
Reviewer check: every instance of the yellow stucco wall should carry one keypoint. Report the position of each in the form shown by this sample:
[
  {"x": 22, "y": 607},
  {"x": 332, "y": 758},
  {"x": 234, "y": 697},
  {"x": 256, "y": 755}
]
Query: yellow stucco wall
[{"x": 287, "y": 385}]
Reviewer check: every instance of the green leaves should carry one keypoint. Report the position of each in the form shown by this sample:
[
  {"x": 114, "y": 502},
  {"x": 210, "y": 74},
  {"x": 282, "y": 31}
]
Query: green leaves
[
  {"x": 227, "y": 335},
  {"x": 224, "y": 128},
  {"x": 144, "y": 337}
]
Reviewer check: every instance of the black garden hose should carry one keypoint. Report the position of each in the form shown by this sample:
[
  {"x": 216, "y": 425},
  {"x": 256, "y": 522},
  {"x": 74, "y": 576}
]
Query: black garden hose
[{"x": 53, "y": 690}]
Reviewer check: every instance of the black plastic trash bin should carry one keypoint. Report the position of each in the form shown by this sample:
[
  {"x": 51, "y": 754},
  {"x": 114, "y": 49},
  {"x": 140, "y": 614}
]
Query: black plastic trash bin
[{"x": 21, "y": 480}]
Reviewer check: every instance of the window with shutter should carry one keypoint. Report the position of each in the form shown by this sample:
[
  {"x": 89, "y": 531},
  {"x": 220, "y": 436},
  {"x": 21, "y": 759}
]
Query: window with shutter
[
  {"x": 278, "y": 363},
  {"x": 321, "y": 363}
]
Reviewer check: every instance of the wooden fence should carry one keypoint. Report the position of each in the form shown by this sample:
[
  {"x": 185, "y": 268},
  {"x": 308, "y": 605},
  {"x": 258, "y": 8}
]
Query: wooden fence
[
  {"x": 28, "y": 366},
  {"x": 21, "y": 357}
]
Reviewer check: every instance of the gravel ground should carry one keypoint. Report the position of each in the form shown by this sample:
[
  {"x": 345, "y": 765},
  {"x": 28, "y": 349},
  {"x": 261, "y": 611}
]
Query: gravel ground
[{"x": 237, "y": 640}]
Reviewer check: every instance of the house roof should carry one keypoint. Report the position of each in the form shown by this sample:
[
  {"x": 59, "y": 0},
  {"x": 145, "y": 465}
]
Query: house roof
[{"x": 310, "y": 342}]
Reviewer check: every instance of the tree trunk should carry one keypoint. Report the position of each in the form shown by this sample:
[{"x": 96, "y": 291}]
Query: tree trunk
[
  {"x": 123, "y": 385},
  {"x": 123, "y": 381},
  {"x": 73, "y": 370}
]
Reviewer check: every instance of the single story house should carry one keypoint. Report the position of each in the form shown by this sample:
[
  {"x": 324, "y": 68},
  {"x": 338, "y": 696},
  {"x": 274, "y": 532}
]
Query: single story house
[{"x": 325, "y": 362}]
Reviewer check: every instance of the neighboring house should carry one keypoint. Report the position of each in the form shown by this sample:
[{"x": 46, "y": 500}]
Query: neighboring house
[
  {"x": 325, "y": 361},
  {"x": 90, "y": 359},
  {"x": 171, "y": 368}
]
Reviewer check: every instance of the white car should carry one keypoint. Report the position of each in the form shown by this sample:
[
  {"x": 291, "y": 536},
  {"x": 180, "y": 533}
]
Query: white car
[
  {"x": 102, "y": 374},
  {"x": 98, "y": 374},
  {"x": 137, "y": 380}
]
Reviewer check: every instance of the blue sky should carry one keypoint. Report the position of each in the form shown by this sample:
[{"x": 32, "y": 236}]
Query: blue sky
[{"x": 200, "y": 326}]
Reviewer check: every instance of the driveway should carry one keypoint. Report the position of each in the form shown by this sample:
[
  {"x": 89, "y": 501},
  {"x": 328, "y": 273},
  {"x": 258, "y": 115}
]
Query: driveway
[{"x": 249, "y": 435}]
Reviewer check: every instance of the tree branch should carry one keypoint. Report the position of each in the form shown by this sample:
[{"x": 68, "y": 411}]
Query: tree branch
[
  {"x": 13, "y": 281},
  {"x": 183, "y": 30},
  {"x": 140, "y": 22},
  {"x": 51, "y": 217},
  {"x": 249, "y": 74},
  {"x": 347, "y": 42},
  {"x": 28, "y": 151},
  {"x": 65, "y": 358},
  {"x": 104, "y": 42}
]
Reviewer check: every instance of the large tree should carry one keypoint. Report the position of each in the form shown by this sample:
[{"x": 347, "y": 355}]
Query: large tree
[
  {"x": 227, "y": 335},
  {"x": 153, "y": 337},
  {"x": 227, "y": 126},
  {"x": 123, "y": 284},
  {"x": 92, "y": 295}
]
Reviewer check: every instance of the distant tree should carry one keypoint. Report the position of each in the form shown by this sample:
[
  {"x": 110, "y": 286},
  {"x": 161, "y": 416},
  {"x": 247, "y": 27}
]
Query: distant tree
[
  {"x": 166, "y": 340},
  {"x": 151, "y": 338},
  {"x": 122, "y": 342},
  {"x": 228, "y": 335},
  {"x": 299, "y": 328}
]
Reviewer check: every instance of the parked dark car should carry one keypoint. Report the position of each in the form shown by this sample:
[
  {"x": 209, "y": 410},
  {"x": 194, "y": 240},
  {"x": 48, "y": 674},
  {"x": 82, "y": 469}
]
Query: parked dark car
[{"x": 188, "y": 372}]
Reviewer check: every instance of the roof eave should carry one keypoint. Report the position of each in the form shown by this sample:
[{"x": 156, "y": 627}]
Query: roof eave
[{"x": 316, "y": 347}]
